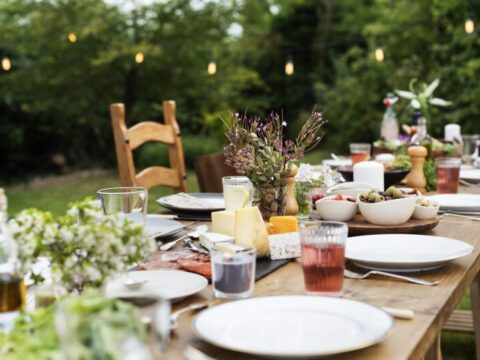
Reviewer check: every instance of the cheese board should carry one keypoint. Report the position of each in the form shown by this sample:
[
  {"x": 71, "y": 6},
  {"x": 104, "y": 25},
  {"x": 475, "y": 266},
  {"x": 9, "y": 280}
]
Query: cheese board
[{"x": 360, "y": 226}]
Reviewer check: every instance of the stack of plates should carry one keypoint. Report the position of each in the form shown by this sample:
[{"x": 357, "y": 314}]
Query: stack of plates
[
  {"x": 211, "y": 202},
  {"x": 457, "y": 202},
  {"x": 470, "y": 174},
  {"x": 404, "y": 253}
]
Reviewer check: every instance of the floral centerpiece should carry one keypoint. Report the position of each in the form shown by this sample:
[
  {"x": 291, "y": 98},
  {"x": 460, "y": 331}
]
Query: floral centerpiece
[
  {"x": 257, "y": 148},
  {"x": 84, "y": 246}
]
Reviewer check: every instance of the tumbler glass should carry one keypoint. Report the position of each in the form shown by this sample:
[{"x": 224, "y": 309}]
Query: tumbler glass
[
  {"x": 130, "y": 201},
  {"x": 448, "y": 174}
]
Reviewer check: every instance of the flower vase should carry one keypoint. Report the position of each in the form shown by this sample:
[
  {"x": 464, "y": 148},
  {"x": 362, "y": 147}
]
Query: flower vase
[{"x": 271, "y": 200}]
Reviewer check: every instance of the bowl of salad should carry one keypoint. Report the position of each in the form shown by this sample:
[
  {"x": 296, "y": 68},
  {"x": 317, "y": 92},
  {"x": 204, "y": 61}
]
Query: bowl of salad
[{"x": 336, "y": 207}]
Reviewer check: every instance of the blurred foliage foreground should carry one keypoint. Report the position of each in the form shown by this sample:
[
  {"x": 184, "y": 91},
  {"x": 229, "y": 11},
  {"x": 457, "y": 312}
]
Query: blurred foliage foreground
[{"x": 54, "y": 99}]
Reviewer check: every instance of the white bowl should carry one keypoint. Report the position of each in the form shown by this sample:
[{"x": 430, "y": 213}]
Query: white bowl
[
  {"x": 336, "y": 210},
  {"x": 390, "y": 212},
  {"x": 425, "y": 212}
]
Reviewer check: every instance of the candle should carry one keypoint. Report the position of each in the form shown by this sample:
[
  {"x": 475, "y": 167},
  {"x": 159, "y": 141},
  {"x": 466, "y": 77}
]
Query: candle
[
  {"x": 233, "y": 274},
  {"x": 370, "y": 172},
  {"x": 452, "y": 132}
]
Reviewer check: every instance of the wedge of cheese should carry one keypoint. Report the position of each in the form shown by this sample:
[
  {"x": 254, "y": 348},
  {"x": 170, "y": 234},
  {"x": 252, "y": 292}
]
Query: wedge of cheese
[
  {"x": 250, "y": 230},
  {"x": 223, "y": 222},
  {"x": 283, "y": 224}
]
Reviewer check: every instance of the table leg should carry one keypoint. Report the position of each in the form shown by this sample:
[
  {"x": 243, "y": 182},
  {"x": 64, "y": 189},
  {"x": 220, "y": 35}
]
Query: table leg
[
  {"x": 435, "y": 352},
  {"x": 475, "y": 298}
]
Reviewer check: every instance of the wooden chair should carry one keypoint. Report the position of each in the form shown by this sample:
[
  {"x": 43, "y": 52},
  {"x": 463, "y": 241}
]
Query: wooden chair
[
  {"x": 209, "y": 170},
  {"x": 129, "y": 139}
]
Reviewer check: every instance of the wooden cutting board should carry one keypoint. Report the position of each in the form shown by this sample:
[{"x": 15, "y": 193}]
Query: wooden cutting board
[{"x": 360, "y": 226}]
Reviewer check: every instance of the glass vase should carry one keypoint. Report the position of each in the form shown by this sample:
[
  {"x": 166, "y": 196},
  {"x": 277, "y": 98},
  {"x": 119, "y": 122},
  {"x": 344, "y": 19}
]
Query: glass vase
[{"x": 271, "y": 200}]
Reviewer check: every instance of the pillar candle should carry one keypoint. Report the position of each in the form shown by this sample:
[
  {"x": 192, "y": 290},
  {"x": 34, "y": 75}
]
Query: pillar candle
[
  {"x": 452, "y": 131},
  {"x": 370, "y": 172}
]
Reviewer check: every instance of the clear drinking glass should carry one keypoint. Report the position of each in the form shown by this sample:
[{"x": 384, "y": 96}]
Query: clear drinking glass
[
  {"x": 323, "y": 256},
  {"x": 233, "y": 273},
  {"x": 130, "y": 201},
  {"x": 237, "y": 192},
  {"x": 469, "y": 147},
  {"x": 448, "y": 174},
  {"x": 360, "y": 152}
]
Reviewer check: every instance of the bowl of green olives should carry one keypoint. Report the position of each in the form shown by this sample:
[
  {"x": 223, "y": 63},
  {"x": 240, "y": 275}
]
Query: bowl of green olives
[{"x": 390, "y": 207}]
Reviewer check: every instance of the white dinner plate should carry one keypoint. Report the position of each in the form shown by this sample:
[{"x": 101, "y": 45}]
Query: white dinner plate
[
  {"x": 457, "y": 202},
  {"x": 173, "y": 285},
  {"x": 161, "y": 227},
  {"x": 293, "y": 326},
  {"x": 470, "y": 175},
  {"x": 211, "y": 202},
  {"x": 404, "y": 252}
]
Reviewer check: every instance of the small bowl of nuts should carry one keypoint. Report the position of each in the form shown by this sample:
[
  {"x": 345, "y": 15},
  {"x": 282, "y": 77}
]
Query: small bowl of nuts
[{"x": 425, "y": 209}]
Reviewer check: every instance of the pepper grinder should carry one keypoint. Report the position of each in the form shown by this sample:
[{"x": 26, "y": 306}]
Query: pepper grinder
[
  {"x": 416, "y": 178},
  {"x": 291, "y": 206}
]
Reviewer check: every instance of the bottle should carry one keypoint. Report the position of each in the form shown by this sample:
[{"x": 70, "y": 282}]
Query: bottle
[
  {"x": 421, "y": 137},
  {"x": 12, "y": 287},
  {"x": 389, "y": 131}
]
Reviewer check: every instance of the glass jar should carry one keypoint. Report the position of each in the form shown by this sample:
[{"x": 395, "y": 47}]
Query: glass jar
[{"x": 271, "y": 200}]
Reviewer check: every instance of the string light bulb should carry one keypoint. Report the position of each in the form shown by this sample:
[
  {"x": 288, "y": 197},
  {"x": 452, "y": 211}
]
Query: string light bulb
[
  {"x": 469, "y": 26},
  {"x": 6, "y": 64},
  {"x": 139, "y": 57},
  {"x": 212, "y": 68},
  {"x": 72, "y": 37},
  {"x": 379, "y": 54},
  {"x": 289, "y": 68}
]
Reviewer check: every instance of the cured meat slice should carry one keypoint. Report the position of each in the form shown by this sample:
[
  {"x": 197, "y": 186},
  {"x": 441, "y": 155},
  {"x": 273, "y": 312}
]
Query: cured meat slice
[
  {"x": 159, "y": 264},
  {"x": 199, "y": 267}
]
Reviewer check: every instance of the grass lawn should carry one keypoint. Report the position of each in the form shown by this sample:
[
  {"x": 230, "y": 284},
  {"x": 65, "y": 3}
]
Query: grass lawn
[{"x": 55, "y": 195}]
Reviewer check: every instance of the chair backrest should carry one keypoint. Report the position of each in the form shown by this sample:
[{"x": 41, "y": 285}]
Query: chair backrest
[
  {"x": 209, "y": 170},
  {"x": 129, "y": 139}
]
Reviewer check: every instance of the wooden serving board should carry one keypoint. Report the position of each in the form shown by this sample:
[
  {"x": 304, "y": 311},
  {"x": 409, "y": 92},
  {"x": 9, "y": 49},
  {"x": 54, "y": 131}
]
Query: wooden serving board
[{"x": 360, "y": 226}]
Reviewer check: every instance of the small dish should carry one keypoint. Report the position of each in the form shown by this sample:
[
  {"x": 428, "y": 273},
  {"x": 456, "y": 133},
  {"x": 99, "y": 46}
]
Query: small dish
[
  {"x": 391, "y": 212},
  {"x": 333, "y": 209},
  {"x": 424, "y": 212}
]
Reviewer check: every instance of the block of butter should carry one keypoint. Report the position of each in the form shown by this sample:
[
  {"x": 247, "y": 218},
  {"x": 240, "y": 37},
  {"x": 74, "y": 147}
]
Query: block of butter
[
  {"x": 210, "y": 239},
  {"x": 284, "y": 246}
]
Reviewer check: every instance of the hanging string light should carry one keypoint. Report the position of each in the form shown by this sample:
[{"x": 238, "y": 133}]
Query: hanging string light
[
  {"x": 139, "y": 57},
  {"x": 469, "y": 26},
  {"x": 72, "y": 37},
  {"x": 212, "y": 68},
  {"x": 379, "y": 54},
  {"x": 6, "y": 64},
  {"x": 289, "y": 67}
]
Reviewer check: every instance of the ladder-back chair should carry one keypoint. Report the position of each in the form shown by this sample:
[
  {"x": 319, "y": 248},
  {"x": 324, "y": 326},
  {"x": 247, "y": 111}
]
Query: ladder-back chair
[{"x": 129, "y": 139}]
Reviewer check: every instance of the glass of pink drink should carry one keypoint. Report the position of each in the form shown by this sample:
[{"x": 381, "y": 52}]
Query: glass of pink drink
[
  {"x": 448, "y": 174},
  {"x": 323, "y": 256}
]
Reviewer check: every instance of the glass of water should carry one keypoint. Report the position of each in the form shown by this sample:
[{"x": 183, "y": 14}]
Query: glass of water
[
  {"x": 130, "y": 201},
  {"x": 237, "y": 192}
]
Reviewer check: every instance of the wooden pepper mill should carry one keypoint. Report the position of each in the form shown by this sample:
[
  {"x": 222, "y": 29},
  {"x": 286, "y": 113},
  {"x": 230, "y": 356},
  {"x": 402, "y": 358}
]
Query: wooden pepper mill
[
  {"x": 416, "y": 178},
  {"x": 291, "y": 207}
]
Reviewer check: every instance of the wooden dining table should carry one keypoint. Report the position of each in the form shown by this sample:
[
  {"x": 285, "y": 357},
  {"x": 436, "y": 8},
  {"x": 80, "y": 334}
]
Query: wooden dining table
[{"x": 417, "y": 338}]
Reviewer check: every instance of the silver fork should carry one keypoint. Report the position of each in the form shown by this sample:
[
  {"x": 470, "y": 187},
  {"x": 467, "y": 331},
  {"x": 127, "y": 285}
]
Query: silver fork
[{"x": 353, "y": 275}]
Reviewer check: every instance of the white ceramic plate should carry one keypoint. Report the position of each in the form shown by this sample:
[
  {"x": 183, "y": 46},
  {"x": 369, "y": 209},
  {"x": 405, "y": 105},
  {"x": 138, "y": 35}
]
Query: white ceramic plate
[
  {"x": 293, "y": 326},
  {"x": 470, "y": 175},
  {"x": 459, "y": 202},
  {"x": 404, "y": 253},
  {"x": 213, "y": 201},
  {"x": 161, "y": 227},
  {"x": 170, "y": 284},
  {"x": 337, "y": 163}
]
